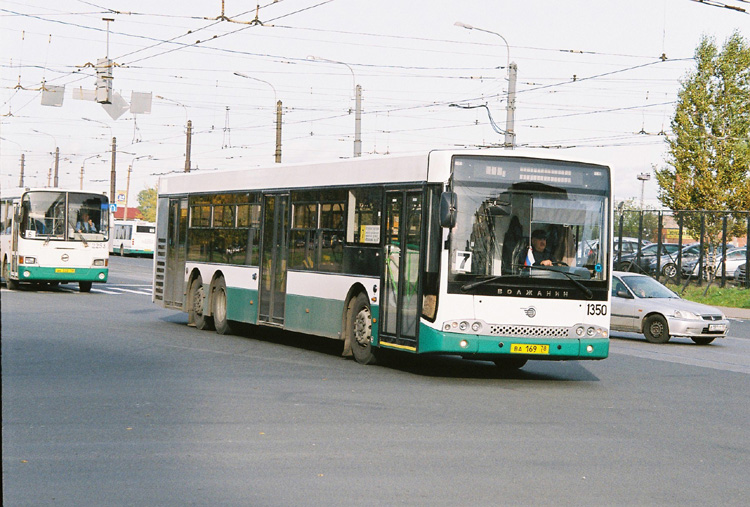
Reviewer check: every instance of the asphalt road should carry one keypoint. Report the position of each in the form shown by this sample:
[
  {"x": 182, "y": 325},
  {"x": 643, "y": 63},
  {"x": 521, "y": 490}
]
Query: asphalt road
[{"x": 108, "y": 399}]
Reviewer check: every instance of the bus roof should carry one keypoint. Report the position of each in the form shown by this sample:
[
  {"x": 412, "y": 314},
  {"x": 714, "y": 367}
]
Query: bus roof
[
  {"x": 433, "y": 166},
  {"x": 17, "y": 192}
]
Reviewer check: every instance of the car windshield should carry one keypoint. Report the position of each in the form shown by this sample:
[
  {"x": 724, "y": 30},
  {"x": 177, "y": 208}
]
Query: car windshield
[{"x": 646, "y": 287}]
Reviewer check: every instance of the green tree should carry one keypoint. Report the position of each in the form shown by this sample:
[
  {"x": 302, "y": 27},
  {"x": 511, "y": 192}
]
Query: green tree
[
  {"x": 708, "y": 166},
  {"x": 147, "y": 204}
]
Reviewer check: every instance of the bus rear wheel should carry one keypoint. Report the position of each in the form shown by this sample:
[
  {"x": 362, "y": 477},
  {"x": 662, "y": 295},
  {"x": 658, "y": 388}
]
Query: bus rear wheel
[
  {"x": 359, "y": 330},
  {"x": 219, "y": 303},
  {"x": 196, "y": 302}
]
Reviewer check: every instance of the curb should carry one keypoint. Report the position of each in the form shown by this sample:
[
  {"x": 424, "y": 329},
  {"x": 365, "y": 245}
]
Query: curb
[{"x": 735, "y": 313}]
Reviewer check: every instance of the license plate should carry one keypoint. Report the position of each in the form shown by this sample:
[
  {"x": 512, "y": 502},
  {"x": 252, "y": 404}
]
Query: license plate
[
  {"x": 528, "y": 348},
  {"x": 716, "y": 327},
  {"x": 64, "y": 270}
]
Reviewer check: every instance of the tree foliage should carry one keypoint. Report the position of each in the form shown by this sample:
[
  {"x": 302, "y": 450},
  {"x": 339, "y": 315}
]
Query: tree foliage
[
  {"x": 708, "y": 166},
  {"x": 147, "y": 204}
]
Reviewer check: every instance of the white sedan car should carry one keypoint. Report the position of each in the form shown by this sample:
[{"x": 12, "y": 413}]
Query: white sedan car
[{"x": 640, "y": 304}]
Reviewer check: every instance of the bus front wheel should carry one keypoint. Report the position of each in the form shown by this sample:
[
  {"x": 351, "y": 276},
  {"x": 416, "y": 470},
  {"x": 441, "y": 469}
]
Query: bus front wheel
[
  {"x": 85, "y": 286},
  {"x": 10, "y": 284},
  {"x": 196, "y": 303},
  {"x": 219, "y": 302},
  {"x": 510, "y": 363},
  {"x": 359, "y": 329}
]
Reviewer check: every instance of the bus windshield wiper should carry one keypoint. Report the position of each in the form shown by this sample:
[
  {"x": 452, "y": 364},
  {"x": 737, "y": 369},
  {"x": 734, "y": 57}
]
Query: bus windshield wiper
[
  {"x": 477, "y": 283},
  {"x": 586, "y": 291}
]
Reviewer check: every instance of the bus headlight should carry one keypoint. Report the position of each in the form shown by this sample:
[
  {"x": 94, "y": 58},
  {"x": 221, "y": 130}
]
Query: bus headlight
[
  {"x": 28, "y": 260},
  {"x": 100, "y": 262}
]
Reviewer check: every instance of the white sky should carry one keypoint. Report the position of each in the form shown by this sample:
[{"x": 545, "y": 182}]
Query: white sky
[{"x": 409, "y": 58}]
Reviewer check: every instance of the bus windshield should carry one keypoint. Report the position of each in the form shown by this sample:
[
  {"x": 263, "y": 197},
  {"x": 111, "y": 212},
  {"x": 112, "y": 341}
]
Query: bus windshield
[
  {"x": 49, "y": 215},
  {"x": 520, "y": 220}
]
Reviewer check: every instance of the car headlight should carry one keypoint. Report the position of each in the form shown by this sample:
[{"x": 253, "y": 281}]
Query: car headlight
[{"x": 684, "y": 314}]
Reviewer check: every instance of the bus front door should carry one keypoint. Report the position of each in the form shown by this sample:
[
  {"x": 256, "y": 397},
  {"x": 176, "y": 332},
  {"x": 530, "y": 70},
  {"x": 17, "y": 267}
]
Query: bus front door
[
  {"x": 400, "y": 301},
  {"x": 273, "y": 262}
]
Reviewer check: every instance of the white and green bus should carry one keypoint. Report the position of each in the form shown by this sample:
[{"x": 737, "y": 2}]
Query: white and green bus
[
  {"x": 50, "y": 235},
  {"x": 133, "y": 237},
  {"x": 426, "y": 254}
]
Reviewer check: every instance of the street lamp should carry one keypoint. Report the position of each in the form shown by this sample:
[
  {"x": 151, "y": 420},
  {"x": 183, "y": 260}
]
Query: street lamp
[
  {"x": 113, "y": 172},
  {"x": 643, "y": 178},
  {"x": 357, "y": 104},
  {"x": 57, "y": 155},
  {"x": 511, "y": 70},
  {"x": 277, "y": 155},
  {"x": 83, "y": 165},
  {"x": 127, "y": 186}
]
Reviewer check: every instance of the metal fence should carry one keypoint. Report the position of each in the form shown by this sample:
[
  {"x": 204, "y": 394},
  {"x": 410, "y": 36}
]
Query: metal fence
[{"x": 683, "y": 247}]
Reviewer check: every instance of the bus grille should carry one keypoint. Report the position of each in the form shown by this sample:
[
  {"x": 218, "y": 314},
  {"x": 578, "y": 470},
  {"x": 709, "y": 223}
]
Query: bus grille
[{"x": 530, "y": 331}]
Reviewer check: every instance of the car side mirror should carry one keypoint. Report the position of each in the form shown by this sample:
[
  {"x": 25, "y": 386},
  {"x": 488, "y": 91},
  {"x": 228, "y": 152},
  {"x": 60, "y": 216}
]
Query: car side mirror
[
  {"x": 623, "y": 294},
  {"x": 448, "y": 209}
]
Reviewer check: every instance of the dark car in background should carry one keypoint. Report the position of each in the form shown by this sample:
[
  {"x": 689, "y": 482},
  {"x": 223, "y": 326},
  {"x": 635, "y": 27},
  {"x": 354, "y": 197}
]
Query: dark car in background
[{"x": 652, "y": 259}]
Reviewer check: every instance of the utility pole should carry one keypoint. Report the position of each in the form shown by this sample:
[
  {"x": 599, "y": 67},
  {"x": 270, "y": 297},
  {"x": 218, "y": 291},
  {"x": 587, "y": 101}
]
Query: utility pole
[
  {"x": 57, "y": 165},
  {"x": 23, "y": 163},
  {"x": 113, "y": 174},
  {"x": 277, "y": 157},
  {"x": 510, "y": 133},
  {"x": 643, "y": 177},
  {"x": 188, "y": 144},
  {"x": 358, "y": 122}
]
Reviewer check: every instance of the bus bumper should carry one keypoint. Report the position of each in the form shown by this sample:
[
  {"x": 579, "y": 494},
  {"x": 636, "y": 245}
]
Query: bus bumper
[
  {"x": 36, "y": 274},
  {"x": 493, "y": 347}
]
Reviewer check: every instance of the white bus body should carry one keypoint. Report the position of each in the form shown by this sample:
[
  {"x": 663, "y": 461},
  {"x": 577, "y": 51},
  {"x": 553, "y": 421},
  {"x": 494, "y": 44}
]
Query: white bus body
[
  {"x": 133, "y": 237},
  {"x": 51, "y": 235},
  {"x": 421, "y": 253}
]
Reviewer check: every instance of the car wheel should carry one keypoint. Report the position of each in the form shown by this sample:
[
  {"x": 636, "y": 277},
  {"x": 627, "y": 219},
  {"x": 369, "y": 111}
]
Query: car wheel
[
  {"x": 670, "y": 270},
  {"x": 219, "y": 300},
  {"x": 702, "y": 340},
  {"x": 359, "y": 329},
  {"x": 656, "y": 329}
]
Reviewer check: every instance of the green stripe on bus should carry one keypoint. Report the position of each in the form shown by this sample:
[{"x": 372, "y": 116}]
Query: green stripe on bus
[
  {"x": 434, "y": 340},
  {"x": 59, "y": 274},
  {"x": 242, "y": 304}
]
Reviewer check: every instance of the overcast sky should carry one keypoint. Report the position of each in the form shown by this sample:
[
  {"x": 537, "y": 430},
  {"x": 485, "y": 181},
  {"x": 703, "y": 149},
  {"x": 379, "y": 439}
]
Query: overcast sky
[{"x": 598, "y": 78}]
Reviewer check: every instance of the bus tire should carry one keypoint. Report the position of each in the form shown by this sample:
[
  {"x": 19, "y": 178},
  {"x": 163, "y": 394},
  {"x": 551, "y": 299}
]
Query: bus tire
[
  {"x": 10, "y": 284},
  {"x": 85, "y": 286},
  {"x": 196, "y": 303},
  {"x": 656, "y": 329},
  {"x": 359, "y": 330},
  {"x": 122, "y": 251},
  {"x": 219, "y": 307}
]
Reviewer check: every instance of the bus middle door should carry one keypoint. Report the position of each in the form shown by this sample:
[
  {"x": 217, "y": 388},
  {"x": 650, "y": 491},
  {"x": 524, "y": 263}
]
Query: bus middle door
[
  {"x": 400, "y": 302},
  {"x": 273, "y": 259}
]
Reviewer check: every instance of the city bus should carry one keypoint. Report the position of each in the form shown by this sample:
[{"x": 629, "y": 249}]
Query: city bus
[
  {"x": 425, "y": 254},
  {"x": 133, "y": 237},
  {"x": 50, "y": 235}
]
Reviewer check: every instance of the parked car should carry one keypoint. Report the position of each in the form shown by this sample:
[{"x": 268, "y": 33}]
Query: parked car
[
  {"x": 629, "y": 246},
  {"x": 650, "y": 257},
  {"x": 640, "y": 304},
  {"x": 734, "y": 258},
  {"x": 741, "y": 273}
]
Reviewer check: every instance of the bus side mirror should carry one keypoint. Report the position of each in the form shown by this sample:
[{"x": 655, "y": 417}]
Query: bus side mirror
[{"x": 448, "y": 209}]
